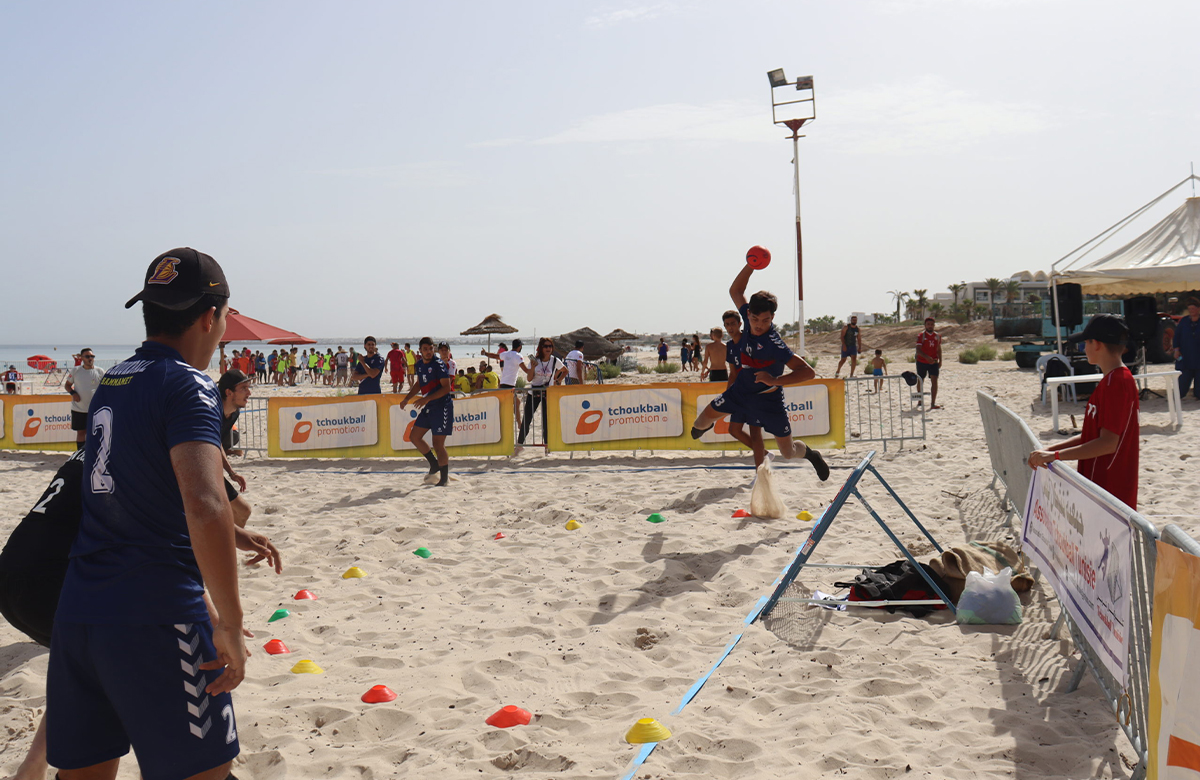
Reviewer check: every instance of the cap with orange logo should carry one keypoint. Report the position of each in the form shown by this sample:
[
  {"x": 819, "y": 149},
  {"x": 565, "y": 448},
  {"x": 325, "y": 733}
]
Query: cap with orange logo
[{"x": 176, "y": 279}]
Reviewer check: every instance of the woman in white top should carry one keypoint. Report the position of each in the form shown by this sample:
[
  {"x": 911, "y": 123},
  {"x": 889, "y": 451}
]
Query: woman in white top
[{"x": 546, "y": 369}]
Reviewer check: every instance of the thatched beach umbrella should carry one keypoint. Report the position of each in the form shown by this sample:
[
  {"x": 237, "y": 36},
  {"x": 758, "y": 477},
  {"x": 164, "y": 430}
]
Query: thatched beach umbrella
[
  {"x": 594, "y": 346},
  {"x": 491, "y": 324},
  {"x": 621, "y": 335}
]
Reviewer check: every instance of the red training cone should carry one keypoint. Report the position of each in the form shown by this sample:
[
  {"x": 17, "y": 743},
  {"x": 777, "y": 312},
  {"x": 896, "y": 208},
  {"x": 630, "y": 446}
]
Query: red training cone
[
  {"x": 498, "y": 535},
  {"x": 305, "y": 594},
  {"x": 741, "y": 513},
  {"x": 276, "y": 647},
  {"x": 379, "y": 694},
  {"x": 509, "y": 716}
]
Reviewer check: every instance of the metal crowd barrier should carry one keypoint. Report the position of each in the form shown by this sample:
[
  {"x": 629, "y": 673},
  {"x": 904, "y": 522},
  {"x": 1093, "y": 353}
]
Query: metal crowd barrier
[
  {"x": 536, "y": 434},
  {"x": 895, "y": 413},
  {"x": 252, "y": 426},
  {"x": 1009, "y": 443}
]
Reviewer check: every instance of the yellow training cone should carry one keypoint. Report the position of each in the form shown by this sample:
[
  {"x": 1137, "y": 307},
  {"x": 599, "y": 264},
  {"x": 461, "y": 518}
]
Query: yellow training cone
[
  {"x": 647, "y": 730},
  {"x": 354, "y": 573},
  {"x": 804, "y": 516},
  {"x": 573, "y": 525},
  {"x": 307, "y": 667}
]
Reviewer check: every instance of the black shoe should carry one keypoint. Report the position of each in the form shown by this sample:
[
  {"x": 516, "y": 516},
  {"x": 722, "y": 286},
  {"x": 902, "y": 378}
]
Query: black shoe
[
  {"x": 814, "y": 457},
  {"x": 698, "y": 432}
]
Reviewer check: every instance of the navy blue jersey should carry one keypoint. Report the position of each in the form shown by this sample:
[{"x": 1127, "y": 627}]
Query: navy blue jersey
[
  {"x": 767, "y": 352},
  {"x": 733, "y": 355},
  {"x": 430, "y": 376},
  {"x": 369, "y": 385},
  {"x": 132, "y": 561}
]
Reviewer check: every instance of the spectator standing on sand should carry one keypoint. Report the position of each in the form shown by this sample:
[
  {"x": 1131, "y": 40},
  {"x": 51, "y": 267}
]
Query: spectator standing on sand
[
  {"x": 447, "y": 358},
  {"x": 851, "y": 346},
  {"x": 712, "y": 365},
  {"x": 410, "y": 358},
  {"x": 1107, "y": 448},
  {"x": 662, "y": 350},
  {"x": 81, "y": 384},
  {"x": 1187, "y": 349},
  {"x": 546, "y": 370},
  {"x": 878, "y": 369},
  {"x": 929, "y": 361},
  {"x": 342, "y": 361},
  {"x": 575, "y": 362},
  {"x": 685, "y": 355},
  {"x": 696, "y": 350},
  {"x": 396, "y": 366}
]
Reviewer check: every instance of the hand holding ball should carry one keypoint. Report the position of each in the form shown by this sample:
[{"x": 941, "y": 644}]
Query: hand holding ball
[{"x": 758, "y": 257}]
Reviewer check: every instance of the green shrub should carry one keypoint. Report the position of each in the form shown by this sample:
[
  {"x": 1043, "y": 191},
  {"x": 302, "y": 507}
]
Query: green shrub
[
  {"x": 1010, "y": 355},
  {"x": 812, "y": 361},
  {"x": 667, "y": 368},
  {"x": 645, "y": 369},
  {"x": 610, "y": 370},
  {"x": 521, "y": 381},
  {"x": 968, "y": 356},
  {"x": 984, "y": 351}
]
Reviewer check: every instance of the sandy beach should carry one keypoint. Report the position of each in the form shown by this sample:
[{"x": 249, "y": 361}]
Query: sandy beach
[{"x": 592, "y": 629}]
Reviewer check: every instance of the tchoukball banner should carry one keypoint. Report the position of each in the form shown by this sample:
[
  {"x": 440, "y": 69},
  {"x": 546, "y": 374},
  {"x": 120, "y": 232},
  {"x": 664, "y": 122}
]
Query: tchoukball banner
[
  {"x": 1085, "y": 547},
  {"x": 374, "y": 426},
  {"x": 36, "y": 422},
  {"x": 660, "y": 416},
  {"x": 1174, "y": 739}
]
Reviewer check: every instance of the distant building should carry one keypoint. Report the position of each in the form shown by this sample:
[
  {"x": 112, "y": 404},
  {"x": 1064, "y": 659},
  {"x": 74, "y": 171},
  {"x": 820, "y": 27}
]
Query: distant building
[
  {"x": 863, "y": 317},
  {"x": 1031, "y": 284}
]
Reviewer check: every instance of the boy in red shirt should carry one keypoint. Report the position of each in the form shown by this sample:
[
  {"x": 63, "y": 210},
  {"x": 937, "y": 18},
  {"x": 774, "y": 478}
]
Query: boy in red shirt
[
  {"x": 929, "y": 360},
  {"x": 1107, "y": 449},
  {"x": 396, "y": 363}
]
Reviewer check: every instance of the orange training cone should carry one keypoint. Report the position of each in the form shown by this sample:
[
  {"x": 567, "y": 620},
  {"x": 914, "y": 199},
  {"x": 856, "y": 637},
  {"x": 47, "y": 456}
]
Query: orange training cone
[
  {"x": 379, "y": 694},
  {"x": 498, "y": 535},
  {"x": 509, "y": 716},
  {"x": 276, "y": 647},
  {"x": 305, "y": 594},
  {"x": 741, "y": 513}
]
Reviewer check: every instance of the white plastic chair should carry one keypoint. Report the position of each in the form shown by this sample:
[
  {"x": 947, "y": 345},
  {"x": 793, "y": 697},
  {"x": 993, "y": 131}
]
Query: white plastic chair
[{"x": 1069, "y": 389}]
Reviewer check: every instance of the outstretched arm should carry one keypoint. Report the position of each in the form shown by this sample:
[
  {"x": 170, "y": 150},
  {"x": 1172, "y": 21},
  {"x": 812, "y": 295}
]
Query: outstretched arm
[
  {"x": 800, "y": 371},
  {"x": 737, "y": 290}
]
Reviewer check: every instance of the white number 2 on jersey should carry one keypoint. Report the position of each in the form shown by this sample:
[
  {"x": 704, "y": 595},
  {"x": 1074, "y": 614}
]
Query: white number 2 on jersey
[
  {"x": 102, "y": 419},
  {"x": 51, "y": 493}
]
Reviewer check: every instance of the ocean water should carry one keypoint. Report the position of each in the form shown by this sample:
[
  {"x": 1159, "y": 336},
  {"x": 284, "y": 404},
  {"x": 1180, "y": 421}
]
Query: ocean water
[{"x": 108, "y": 355}]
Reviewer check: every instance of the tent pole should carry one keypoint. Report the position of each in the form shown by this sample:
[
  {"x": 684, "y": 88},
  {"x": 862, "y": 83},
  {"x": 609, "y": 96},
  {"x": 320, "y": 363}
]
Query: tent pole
[{"x": 1054, "y": 300}]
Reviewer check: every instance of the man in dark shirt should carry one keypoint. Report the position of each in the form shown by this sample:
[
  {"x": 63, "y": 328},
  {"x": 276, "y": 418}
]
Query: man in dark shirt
[
  {"x": 234, "y": 387},
  {"x": 368, "y": 368}
]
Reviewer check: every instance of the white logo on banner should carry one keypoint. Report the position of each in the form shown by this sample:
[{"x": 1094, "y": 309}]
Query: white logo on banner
[
  {"x": 476, "y": 421},
  {"x": 807, "y": 408},
  {"x": 1084, "y": 547},
  {"x": 1, "y": 418},
  {"x": 42, "y": 423},
  {"x": 354, "y": 424},
  {"x": 628, "y": 414}
]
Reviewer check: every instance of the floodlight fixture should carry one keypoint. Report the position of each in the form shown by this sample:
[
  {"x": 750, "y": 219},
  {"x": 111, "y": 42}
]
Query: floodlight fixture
[{"x": 777, "y": 78}]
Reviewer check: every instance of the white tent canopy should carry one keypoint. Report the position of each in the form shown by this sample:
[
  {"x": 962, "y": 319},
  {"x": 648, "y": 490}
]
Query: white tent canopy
[{"x": 1166, "y": 258}]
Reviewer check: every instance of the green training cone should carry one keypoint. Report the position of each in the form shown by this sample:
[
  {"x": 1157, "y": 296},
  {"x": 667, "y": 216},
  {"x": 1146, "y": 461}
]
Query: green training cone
[
  {"x": 423, "y": 552},
  {"x": 656, "y": 518},
  {"x": 280, "y": 614}
]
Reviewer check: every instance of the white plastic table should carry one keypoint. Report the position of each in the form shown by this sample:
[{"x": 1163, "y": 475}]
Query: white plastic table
[{"x": 1174, "y": 408}]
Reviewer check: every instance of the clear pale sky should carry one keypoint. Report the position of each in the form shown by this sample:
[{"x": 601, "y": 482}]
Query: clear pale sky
[{"x": 402, "y": 167}]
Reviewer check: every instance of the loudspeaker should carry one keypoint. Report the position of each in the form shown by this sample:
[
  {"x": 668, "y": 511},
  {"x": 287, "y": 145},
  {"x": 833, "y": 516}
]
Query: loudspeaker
[
  {"x": 1070, "y": 305},
  {"x": 1141, "y": 317}
]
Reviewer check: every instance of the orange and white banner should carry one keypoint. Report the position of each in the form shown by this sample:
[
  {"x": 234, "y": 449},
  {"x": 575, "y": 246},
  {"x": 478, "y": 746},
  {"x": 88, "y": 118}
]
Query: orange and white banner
[
  {"x": 36, "y": 422},
  {"x": 1174, "y": 739},
  {"x": 374, "y": 426},
  {"x": 660, "y": 416}
]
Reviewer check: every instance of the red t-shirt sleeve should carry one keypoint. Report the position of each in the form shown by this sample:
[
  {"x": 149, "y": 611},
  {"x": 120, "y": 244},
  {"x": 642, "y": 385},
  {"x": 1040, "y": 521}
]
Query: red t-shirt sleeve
[{"x": 1120, "y": 405}]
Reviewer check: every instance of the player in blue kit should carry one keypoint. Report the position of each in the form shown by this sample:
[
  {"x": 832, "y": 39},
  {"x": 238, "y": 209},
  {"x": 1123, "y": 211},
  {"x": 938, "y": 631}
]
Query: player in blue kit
[
  {"x": 435, "y": 383},
  {"x": 755, "y": 396},
  {"x": 135, "y": 659},
  {"x": 368, "y": 368}
]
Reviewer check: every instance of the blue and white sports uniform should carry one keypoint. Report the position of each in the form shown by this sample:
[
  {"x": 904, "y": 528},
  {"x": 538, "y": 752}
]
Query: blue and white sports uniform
[
  {"x": 131, "y": 628},
  {"x": 438, "y": 416},
  {"x": 369, "y": 385},
  {"x": 758, "y": 404}
]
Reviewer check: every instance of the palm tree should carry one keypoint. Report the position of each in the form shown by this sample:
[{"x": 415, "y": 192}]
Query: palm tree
[
  {"x": 994, "y": 286},
  {"x": 936, "y": 309},
  {"x": 1012, "y": 291},
  {"x": 957, "y": 290},
  {"x": 922, "y": 301},
  {"x": 900, "y": 297}
]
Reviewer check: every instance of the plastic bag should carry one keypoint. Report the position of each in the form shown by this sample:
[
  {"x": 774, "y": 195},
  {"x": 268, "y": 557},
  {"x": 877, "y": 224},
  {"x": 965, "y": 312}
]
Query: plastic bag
[
  {"x": 989, "y": 598},
  {"x": 764, "y": 501}
]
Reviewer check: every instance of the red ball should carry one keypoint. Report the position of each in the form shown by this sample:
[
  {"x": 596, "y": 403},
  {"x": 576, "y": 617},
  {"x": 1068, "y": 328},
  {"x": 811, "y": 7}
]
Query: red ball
[{"x": 758, "y": 257}]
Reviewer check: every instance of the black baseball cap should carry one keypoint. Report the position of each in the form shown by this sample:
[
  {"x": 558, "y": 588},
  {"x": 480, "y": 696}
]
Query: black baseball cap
[
  {"x": 230, "y": 380},
  {"x": 1105, "y": 328},
  {"x": 176, "y": 279}
]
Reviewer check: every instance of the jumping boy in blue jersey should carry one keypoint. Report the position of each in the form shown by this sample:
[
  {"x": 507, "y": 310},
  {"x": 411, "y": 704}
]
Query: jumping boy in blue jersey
[
  {"x": 134, "y": 658},
  {"x": 755, "y": 397},
  {"x": 435, "y": 384}
]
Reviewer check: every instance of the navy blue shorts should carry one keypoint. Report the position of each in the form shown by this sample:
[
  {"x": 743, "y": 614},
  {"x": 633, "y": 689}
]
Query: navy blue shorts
[
  {"x": 113, "y": 686},
  {"x": 852, "y": 352},
  {"x": 927, "y": 369},
  {"x": 437, "y": 418},
  {"x": 764, "y": 410}
]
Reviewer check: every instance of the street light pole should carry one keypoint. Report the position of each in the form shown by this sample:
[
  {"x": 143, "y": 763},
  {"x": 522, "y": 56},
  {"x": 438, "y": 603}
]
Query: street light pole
[{"x": 806, "y": 113}]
